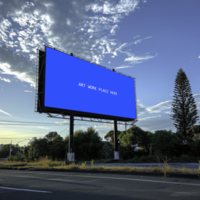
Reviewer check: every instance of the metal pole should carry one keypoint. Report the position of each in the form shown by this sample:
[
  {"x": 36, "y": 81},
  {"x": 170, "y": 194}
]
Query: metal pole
[
  {"x": 116, "y": 151},
  {"x": 71, "y": 131},
  {"x": 70, "y": 154},
  {"x": 115, "y": 135},
  {"x": 10, "y": 148}
]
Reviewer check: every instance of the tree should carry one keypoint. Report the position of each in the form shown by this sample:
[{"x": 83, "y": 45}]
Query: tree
[
  {"x": 110, "y": 136},
  {"x": 132, "y": 137},
  {"x": 51, "y": 135},
  {"x": 5, "y": 150},
  {"x": 87, "y": 144},
  {"x": 195, "y": 130},
  {"x": 56, "y": 148},
  {"x": 183, "y": 106}
]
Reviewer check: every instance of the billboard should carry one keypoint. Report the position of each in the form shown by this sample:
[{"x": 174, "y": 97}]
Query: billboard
[{"x": 69, "y": 84}]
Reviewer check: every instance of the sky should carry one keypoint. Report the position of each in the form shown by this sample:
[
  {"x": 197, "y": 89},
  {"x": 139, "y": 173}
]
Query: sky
[{"x": 148, "y": 40}]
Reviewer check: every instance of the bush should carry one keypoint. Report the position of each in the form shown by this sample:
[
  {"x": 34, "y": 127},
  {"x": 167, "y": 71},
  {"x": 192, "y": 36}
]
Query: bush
[
  {"x": 126, "y": 153},
  {"x": 143, "y": 158},
  {"x": 174, "y": 159},
  {"x": 185, "y": 158},
  {"x": 151, "y": 158}
]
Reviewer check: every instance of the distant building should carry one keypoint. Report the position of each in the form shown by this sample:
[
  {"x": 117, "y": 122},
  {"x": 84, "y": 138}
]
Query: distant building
[{"x": 1, "y": 145}]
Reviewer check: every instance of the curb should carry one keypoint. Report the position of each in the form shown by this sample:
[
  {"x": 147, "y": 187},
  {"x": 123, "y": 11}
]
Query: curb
[{"x": 161, "y": 174}]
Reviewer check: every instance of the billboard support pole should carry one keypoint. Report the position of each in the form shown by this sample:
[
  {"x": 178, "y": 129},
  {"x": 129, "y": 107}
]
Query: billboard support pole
[
  {"x": 71, "y": 154},
  {"x": 116, "y": 151}
]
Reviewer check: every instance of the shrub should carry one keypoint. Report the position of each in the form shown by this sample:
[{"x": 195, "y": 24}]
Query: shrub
[
  {"x": 174, "y": 159},
  {"x": 150, "y": 158},
  {"x": 185, "y": 158},
  {"x": 143, "y": 158}
]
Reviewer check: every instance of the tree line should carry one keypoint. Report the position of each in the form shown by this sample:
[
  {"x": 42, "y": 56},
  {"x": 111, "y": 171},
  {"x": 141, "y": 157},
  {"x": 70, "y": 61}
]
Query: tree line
[{"x": 89, "y": 145}]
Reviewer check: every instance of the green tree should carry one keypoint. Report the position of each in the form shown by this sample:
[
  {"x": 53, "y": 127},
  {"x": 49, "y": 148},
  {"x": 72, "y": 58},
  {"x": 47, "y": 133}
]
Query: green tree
[
  {"x": 38, "y": 148},
  {"x": 132, "y": 137},
  {"x": 136, "y": 136},
  {"x": 51, "y": 135},
  {"x": 5, "y": 150},
  {"x": 183, "y": 106},
  {"x": 56, "y": 148},
  {"x": 110, "y": 136},
  {"x": 167, "y": 143},
  {"x": 195, "y": 130},
  {"x": 87, "y": 144},
  {"x": 107, "y": 151}
]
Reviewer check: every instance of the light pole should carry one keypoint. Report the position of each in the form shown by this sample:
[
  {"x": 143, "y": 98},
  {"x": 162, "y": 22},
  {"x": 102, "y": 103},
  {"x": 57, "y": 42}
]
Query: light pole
[{"x": 16, "y": 145}]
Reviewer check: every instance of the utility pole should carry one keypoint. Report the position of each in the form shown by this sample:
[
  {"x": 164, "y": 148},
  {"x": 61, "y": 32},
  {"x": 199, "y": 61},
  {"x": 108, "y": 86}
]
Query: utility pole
[{"x": 10, "y": 148}]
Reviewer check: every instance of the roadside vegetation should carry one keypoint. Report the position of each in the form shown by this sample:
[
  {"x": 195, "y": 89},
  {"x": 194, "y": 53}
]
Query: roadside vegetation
[
  {"x": 45, "y": 163},
  {"x": 163, "y": 146}
]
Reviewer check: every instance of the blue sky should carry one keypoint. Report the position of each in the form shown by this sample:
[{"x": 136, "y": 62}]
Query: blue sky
[{"x": 149, "y": 40}]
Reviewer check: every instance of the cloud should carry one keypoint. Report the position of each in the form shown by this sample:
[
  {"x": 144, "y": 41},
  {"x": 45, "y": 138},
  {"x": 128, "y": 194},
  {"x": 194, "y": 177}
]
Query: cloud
[
  {"x": 24, "y": 26},
  {"x": 17, "y": 66},
  {"x": 136, "y": 36},
  {"x": 5, "y": 112},
  {"x": 140, "y": 40},
  {"x": 113, "y": 30},
  {"x": 124, "y": 6},
  {"x": 27, "y": 91},
  {"x": 135, "y": 60},
  {"x": 42, "y": 127},
  {"x": 199, "y": 57},
  {"x": 162, "y": 121},
  {"x": 138, "y": 59},
  {"x": 158, "y": 108},
  {"x": 5, "y": 79}
]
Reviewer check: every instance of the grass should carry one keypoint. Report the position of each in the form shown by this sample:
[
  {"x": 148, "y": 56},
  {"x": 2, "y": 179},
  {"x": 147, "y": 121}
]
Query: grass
[{"x": 44, "y": 163}]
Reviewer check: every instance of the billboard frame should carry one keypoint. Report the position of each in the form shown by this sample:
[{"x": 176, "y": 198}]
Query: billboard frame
[{"x": 40, "y": 92}]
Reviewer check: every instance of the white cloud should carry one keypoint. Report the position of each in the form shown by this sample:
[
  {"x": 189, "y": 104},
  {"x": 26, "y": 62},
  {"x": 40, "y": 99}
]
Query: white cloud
[
  {"x": 138, "y": 59},
  {"x": 26, "y": 26},
  {"x": 4, "y": 112},
  {"x": 5, "y": 79},
  {"x": 140, "y": 40},
  {"x": 136, "y": 36},
  {"x": 27, "y": 91},
  {"x": 124, "y": 6},
  {"x": 22, "y": 76},
  {"x": 199, "y": 57},
  {"x": 64, "y": 122},
  {"x": 1, "y": 3},
  {"x": 147, "y": 118},
  {"x": 113, "y": 30},
  {"x": 42, "y": 127}
]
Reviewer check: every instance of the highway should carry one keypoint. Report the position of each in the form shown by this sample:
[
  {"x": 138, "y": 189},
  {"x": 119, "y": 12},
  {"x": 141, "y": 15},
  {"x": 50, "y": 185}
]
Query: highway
[
  {"x": 175, "y": 165},
  {"x": 19, "y": 185}
]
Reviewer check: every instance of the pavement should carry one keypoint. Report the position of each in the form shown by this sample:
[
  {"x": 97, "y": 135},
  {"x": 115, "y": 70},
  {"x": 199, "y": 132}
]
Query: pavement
[
  {"x": 20, "y": 185},
  {"x": 146, "y": 165}
]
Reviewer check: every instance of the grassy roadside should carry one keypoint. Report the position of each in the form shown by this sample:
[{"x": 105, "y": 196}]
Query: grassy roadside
[{"x": 48, "y": 164}]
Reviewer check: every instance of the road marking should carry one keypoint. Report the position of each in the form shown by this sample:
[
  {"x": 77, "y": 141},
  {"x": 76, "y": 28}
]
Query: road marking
[
  {"x": 18, "y": 189},
  {"x": 130, "y": 179},
  {"x": 70, "y": 181}
]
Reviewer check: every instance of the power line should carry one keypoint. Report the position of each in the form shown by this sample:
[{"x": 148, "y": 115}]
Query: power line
[{"x": 32, "y": 122}]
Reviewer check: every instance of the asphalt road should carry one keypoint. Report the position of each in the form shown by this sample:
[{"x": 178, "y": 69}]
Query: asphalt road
[
  {"x": 175, "y": 165},
  {"x": 20, "y": 185}
]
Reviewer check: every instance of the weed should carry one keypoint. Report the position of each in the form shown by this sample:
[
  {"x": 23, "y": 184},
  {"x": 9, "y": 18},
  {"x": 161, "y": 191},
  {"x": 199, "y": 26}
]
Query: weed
[
  {"x": 83, "y": 164},
  {"x": 92, "y": 163}
]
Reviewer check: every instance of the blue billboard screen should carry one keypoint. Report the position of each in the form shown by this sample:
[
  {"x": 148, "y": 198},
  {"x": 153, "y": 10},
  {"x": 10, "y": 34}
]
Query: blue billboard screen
[{"x": 75, "y": 84}]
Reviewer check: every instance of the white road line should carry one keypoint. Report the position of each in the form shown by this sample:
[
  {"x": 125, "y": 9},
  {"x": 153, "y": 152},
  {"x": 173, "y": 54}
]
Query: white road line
[
  {"x": 130, "y": 179},
  {"x": 18, "y": 189}
]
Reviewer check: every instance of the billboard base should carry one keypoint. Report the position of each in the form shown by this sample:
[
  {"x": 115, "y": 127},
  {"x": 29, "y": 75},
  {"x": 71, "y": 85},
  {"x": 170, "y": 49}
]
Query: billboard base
[
  {"x": 71, "y": 157},
  {"x": 116, "y": 155}
]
